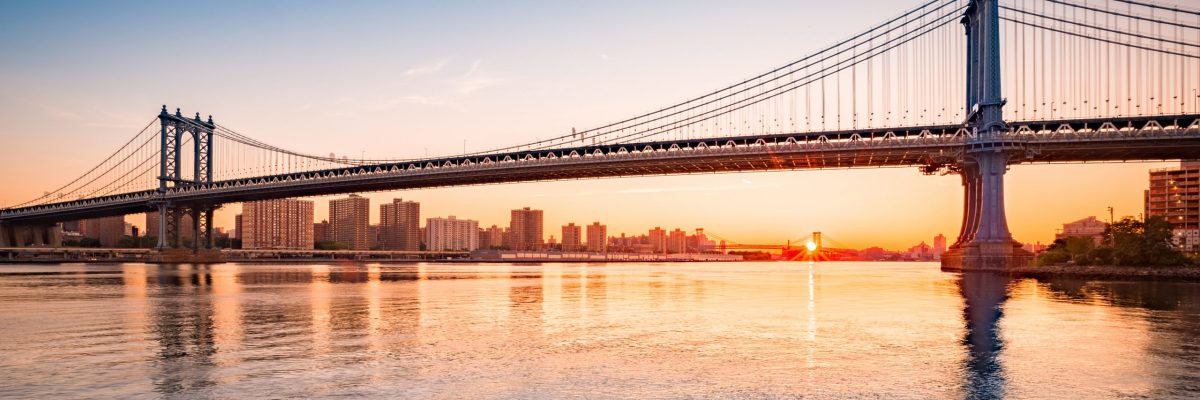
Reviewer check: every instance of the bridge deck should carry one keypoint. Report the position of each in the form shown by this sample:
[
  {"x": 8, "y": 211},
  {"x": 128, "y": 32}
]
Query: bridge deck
[{"x": 1119, "y": 139}]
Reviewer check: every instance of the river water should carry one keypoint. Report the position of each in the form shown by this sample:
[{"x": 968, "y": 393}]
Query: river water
[{"x": 696, "y": 330}]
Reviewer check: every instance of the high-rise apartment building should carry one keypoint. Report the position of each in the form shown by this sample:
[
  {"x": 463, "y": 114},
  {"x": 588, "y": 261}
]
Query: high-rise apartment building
[
  {"x": 658, "y": 240},
  {"x": 572, "y": 237},
  {"x": 939, "y": 246},
  {"x": 506, "y": 238},
  {"x": 526, "y": 229},
  {"x": 321, "y": 232},
  {"x": 597, "y": 238},
  {"x": 277, "y": 224},
  {"x": 1174, "y": 194},
  {"x": 349, "y": 219},
  {"x": 108, "y": 230},
  {"x": 491, "y": 237},
  {"x": 442, "y": 234},
  {"x": 373, "y": 236},
  {"x": 237, "y": 227},
  {"x": 677, "y": 241},
  {"x": 400, "y": 225}
]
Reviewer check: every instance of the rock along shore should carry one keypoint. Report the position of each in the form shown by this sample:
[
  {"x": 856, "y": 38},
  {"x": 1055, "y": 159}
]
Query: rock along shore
[{"x": 1177, "y": 274}]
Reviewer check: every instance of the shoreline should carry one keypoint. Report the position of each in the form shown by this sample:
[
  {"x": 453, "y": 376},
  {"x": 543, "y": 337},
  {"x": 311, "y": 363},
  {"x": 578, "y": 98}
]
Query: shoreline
[{"x": 1097, "y": 272}]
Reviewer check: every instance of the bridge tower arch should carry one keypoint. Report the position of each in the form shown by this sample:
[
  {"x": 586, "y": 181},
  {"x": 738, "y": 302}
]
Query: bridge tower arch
[
  {"x": 984, "y": 241},
  {"x": 175, "y": 130}
]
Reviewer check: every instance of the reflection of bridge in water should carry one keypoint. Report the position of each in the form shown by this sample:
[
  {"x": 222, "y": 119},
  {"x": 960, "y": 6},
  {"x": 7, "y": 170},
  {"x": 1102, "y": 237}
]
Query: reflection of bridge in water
[
  {"x": 215, "y": 329},
  {"x": 887, "y": 97}
]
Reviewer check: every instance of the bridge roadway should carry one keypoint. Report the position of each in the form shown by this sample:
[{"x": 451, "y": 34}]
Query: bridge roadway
[{"x": 1090, "y": 140}]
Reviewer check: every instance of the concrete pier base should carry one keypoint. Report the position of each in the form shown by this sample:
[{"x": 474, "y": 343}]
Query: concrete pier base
[
  {"x": 993, "y": 257},
  {"x": 186, "y": 256}
]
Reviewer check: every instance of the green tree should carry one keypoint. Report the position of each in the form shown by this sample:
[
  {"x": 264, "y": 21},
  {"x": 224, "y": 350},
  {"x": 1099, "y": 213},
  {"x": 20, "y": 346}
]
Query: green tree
[
  {"x": 1143, "y": 243},
  {"x": 1076, "y": 249},
  {"x": 330, "y": 245}
]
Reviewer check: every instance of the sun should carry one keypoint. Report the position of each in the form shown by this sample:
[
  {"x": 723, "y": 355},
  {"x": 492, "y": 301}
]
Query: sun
[{"x": 811, "y": 246}]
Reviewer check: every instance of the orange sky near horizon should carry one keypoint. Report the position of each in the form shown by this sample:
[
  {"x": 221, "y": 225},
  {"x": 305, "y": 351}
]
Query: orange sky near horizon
[{"x": 893, "y": 208}]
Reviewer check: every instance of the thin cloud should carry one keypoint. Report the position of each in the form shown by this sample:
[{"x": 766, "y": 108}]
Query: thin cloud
[
  {"x": 427, "y": 68},
  {"x": 475, "y": 80}
]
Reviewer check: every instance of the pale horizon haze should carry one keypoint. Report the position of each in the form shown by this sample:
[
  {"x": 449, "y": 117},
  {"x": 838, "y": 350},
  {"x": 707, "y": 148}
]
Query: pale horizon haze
[{"x": 406, "y": 79}]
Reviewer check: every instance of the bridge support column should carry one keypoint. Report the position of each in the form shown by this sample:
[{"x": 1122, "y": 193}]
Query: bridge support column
[
  {"x": 984, "y": 242},
  {"x": 54, "y": 235},
  {"x": 168, "y": 228},
  {"x": 202, "y": 228},
  {"x": 38, "y": 235},
  {"x": 162, "y": 227},
  {"x": 6, "y": 236}
]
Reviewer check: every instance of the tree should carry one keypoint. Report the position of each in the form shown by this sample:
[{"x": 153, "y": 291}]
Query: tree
[
  {"x": 330, "y": 245},
  {"x": 1074, "y": 248},
  {"x": 1143, "y": 243}
]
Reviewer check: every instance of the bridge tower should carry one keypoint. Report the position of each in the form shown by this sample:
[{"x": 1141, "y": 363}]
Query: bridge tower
[
  {"x": 175, "y": 130},
  {"x": 984, "y": 241}
]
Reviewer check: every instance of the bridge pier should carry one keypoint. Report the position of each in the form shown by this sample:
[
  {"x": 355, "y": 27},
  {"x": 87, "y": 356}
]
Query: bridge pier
[
  {"x": 171, "y": 250},
  {"x": 6, "y": 236},
  {"x": 984, "y": 241},
  {"x": 186, "y": 256},
  {"x": 37, "y": 235}
]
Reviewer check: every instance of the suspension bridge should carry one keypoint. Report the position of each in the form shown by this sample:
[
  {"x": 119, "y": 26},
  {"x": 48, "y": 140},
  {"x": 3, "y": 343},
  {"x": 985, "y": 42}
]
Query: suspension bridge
[{"x": 1084, "y": 81}]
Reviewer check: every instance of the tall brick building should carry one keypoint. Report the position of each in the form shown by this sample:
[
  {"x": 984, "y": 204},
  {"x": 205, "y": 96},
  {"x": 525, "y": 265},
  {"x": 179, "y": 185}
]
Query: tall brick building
[
  {"x": 400, "y": 225},
  {"x": 349, "y": 222},
  {"x": 1174, "y": 194},
  {"x": 277, "y": 224}
]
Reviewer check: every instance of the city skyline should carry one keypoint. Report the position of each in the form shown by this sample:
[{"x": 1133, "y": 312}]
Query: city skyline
[{"x": 584, "y": 232}]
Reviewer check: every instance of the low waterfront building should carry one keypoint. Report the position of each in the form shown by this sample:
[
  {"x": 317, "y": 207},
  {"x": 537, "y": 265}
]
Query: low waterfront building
[{"x": 1089, "y": 227}]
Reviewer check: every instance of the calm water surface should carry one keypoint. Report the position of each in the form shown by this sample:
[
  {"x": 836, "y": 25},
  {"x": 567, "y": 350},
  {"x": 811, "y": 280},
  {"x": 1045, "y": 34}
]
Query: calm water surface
[{"x": 744, "y": 330}]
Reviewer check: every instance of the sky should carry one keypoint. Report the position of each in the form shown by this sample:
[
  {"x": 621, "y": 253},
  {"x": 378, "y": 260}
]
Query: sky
[{"x": 405, "y": 79}]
